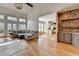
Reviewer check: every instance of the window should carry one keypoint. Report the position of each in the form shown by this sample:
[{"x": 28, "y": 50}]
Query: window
[
  {"x": 1, "y": 16},
  {"x": 1, "y": 25},
  {"x": 13, "y": 24},
  {"x": 14, "y": 27},
  {"x": 11, "y": 18},
  {"x": 9, "y": 27},
  {"x": 22, "y": 26},
  {"x": 41, "y": 27},
  {"x": 1, "y": 28},
  {"x": 22, "y": 20}
]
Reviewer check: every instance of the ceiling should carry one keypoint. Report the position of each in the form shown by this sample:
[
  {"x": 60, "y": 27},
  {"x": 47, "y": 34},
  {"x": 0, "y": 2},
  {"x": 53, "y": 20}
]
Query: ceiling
[{"x": 39, "y": 7}]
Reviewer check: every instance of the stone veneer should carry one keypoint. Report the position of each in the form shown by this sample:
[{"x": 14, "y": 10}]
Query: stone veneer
[{"x": 68, "y": 21}]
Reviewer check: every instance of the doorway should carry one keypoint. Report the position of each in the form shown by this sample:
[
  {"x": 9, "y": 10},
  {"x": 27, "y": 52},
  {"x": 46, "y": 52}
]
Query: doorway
[
  {"x": 52, "y": 27},
  {"x": 41, "y": 26}
]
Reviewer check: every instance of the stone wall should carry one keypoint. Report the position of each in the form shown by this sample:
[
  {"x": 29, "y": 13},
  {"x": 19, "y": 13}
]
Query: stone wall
[{"x": 68, "y": 21}]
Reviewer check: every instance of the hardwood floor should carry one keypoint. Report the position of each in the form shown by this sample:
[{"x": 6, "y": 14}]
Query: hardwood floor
[{"x": 47, "y": 45}]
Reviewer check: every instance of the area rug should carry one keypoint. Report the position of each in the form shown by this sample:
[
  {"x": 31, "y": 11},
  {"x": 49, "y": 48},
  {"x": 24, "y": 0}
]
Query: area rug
[{"x": 12, "y": 48}]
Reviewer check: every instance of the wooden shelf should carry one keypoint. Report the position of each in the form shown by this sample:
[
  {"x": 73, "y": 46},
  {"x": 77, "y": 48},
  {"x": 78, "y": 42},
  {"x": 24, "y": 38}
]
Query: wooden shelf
[
  {"x": 71, "y": 27},
  {"x": 70, "y": 19}
]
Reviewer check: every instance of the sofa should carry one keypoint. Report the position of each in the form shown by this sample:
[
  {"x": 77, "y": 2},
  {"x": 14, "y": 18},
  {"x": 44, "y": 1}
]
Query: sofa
[
  {"x": 31, "y": 35},
  {"x": 27, "y": 35}
]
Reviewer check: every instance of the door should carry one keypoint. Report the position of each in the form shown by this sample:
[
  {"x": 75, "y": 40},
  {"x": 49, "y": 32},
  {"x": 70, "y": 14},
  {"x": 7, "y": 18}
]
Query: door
[{"x": 68, "y": 38}]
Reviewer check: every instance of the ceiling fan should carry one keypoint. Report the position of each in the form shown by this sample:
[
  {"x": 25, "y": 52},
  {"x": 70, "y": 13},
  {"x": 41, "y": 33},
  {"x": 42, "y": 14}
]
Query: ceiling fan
[{"x": 20, "y": 5}]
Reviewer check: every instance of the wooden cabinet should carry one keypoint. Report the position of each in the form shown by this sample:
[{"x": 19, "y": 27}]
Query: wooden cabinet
[
  {"x": 75, "y": 40},
  {"x": 61, "y": 37},
  {"x": 65, "y": 37},
  {"x": 68, "y": 38}
]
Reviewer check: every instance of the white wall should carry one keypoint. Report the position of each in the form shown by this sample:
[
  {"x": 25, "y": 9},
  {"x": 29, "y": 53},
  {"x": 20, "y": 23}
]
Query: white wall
[
  {"x": 32, "y": 24},
  {"x": 49, "y": 17},
  {"x": 46, "y": 19},
  {"x": 32, "y": 20}
]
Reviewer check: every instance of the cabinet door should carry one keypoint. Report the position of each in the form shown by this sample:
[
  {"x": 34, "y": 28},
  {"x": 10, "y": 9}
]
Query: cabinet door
[
  {"x": 61, "y": 37},
  {"x": 75, "y": 39},
  {"x": 68, "y": 38}
]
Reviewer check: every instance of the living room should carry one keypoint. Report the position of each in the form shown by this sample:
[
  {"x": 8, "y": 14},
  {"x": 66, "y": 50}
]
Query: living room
[{"x": 22, "y": 23}]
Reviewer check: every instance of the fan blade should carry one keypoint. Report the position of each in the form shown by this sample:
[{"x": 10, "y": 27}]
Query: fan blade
[{"x": 29, "y": 4}]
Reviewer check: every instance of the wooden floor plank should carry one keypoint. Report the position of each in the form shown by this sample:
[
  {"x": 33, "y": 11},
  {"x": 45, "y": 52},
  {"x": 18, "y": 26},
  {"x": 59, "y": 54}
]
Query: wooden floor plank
[{"x": 47, "y": 45}]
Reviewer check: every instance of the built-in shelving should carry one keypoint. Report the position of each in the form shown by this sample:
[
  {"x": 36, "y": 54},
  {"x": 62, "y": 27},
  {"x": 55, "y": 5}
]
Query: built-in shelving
[{"x": 68, "y": 22}]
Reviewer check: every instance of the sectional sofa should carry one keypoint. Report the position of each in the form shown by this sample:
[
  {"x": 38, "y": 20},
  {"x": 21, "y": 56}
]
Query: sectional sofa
[{"x": 28, "y": 35}]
